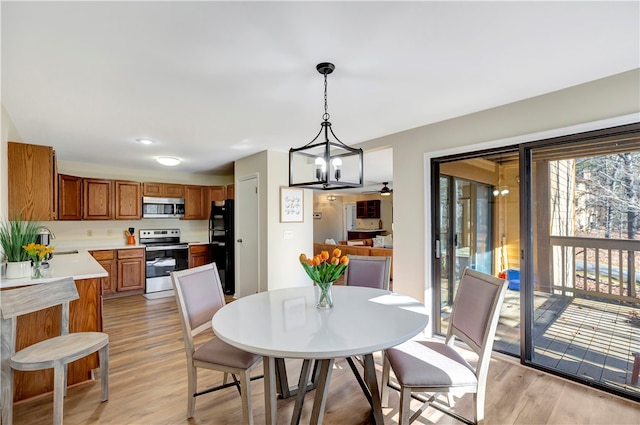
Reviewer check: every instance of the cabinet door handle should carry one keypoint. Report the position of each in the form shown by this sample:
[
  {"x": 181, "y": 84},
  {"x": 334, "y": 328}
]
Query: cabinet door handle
[{"x": 239, "y": 240}]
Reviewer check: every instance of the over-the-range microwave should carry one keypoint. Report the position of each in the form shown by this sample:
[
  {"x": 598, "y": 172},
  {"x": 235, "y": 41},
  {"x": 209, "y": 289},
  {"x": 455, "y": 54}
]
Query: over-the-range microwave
[{"x": 153, "y": 207}]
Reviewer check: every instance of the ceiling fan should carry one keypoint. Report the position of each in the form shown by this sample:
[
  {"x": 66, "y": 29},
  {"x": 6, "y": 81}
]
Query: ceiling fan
[{"x": 385, "y": 191}]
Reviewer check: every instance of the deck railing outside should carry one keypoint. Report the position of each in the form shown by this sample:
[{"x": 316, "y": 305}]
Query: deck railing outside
[{"x": 602, "y": 268}]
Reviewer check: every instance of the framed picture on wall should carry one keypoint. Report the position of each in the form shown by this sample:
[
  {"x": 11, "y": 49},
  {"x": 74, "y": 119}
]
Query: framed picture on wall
[{"x": 291, "y": 205}]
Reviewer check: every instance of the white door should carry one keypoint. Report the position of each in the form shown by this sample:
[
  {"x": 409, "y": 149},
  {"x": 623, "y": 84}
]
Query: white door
[
  {"x": 350, "y": 220},
  {"x": 247, "y": 236}
]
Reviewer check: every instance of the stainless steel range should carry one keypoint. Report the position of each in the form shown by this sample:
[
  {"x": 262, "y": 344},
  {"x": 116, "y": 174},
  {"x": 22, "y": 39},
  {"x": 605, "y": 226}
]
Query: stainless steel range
[{"x": 164, "y": 254}]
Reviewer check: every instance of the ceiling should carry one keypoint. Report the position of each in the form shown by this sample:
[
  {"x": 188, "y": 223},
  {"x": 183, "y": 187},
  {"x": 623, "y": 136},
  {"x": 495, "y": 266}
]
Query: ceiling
[{"x": 212, "y": 82}]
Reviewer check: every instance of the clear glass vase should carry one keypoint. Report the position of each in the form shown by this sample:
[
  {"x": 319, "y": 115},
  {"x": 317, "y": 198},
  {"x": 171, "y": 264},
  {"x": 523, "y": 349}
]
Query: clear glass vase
[
  {"x": 37, "y": 270},
  {"x": 324, "y": 296}
]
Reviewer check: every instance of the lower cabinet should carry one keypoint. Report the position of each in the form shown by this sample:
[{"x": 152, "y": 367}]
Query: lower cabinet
[
  {"x": 125, "y": 268},
  {"x": 107, "y": 260},
  {"x": 199, "y": 255}
]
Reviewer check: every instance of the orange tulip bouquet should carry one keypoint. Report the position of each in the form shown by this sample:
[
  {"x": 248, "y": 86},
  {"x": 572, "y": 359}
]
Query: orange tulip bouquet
[{"x": 324, "y": 271}]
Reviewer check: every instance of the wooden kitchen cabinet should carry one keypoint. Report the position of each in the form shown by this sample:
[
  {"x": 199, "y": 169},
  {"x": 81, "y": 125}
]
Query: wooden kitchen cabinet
[
  {"x": 163, "y": 190},
  {"x": 230, "y": 191},
  {"x": 194, "y": 202},
  {"x": 128, "y": 201},
  {"x": 69, "y": 197},
  {"x": 107, "y": 259},
  {"x": 97, "y": 199},
  {"x": 199, "y": 255},
  {"x": 216, "y": 193},
  {"x": 32, "y": 182},
  {"x": 131, "y": 270},
  {"x": 368, "y": 209}
]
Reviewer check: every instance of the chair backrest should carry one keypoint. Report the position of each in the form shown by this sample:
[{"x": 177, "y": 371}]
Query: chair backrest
[
  {"x": 476, "y": 310},
  {"x": 199, "y": 296},
  {"x": 369, "y": 271},
  {"x": 27, "y": 299}
]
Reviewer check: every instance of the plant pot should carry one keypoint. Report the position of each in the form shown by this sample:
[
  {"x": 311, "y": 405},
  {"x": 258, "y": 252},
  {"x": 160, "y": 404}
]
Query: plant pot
[{"x": 18, "y": 269}]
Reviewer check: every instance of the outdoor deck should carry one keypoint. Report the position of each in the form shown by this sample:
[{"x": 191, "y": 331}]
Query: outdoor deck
[{"x": 591, "y": 339}]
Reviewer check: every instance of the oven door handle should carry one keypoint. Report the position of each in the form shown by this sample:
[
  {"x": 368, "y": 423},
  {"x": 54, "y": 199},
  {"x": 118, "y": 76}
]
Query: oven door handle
[{"x": 165, "y": 247}]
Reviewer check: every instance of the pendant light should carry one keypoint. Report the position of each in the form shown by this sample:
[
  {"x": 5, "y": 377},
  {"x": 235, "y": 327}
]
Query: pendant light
[{"x": 325, "y": 163}]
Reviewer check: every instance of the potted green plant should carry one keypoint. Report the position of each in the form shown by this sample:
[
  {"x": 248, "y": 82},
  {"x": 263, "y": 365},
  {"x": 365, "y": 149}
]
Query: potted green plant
[{"x": 14, "y": 235}]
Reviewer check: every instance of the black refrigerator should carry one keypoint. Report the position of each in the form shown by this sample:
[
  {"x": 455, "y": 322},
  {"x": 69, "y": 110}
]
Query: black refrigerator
[{"x": 222, "y": 243}]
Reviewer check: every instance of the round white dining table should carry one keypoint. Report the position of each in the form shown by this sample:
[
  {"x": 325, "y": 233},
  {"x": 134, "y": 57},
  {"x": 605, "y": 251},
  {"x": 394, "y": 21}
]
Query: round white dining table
[{"x": 285, "y": 323}]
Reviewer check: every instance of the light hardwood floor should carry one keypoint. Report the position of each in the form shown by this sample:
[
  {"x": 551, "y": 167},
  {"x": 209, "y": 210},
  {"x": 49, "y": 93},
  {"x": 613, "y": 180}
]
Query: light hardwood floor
[{"x": 148, "y": 386}]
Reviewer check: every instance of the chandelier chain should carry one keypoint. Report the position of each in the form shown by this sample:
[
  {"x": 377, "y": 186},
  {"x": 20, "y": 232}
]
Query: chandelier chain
[{"x": 326, "y": 115}]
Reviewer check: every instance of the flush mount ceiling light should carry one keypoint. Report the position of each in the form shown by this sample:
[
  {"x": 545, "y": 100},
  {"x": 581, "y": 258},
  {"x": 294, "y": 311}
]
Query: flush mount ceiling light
[
  {"x": 323, "y": 163},
  {"x": 169, "y": 161},
  {"x": 145, "y": 141},
  {"x": 331, "y": 198}
]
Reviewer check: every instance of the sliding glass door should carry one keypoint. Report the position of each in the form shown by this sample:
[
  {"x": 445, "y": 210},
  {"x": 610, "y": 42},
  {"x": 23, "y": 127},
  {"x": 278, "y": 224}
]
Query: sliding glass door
[
  {"x": 465, "y": 235},
  {"x": 559, "y": 219}
]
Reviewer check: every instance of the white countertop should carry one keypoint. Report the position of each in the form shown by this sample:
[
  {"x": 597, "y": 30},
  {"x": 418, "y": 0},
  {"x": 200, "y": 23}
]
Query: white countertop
[
  {"x": 79, "y": 266},
  {"x": 365, "y": 230}
]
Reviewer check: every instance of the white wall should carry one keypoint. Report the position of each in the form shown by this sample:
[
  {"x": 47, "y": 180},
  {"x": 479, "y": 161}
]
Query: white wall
[
  {"x": 610, "y": 97},
  {"x": 286, "y": 241},
  {"x": 278, "y": 263},
  {"x": 9, "y": 133},
  {"x": 331, "y": 223}
]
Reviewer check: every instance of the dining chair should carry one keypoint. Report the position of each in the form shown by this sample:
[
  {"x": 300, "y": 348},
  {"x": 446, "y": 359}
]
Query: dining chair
[
  {"x": 368, "y": 271},
  {"x": 52, "y": 353},
  {"x": 199, "y": 296},
  {"x": 437, "y": 367}
]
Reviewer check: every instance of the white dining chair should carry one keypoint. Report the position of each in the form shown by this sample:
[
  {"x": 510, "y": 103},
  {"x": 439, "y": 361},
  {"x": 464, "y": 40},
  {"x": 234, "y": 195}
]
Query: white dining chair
[
  {"x": 199, "y": 296},
  {"x": 53, "y": 353},
  {"x": 437, "y": 367}
]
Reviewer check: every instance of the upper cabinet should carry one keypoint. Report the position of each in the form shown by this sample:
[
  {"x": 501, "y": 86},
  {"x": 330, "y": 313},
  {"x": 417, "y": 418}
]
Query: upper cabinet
[
  {"x": 32, "y": 182},
  {"x": 216, "y": 193},
  {"x": 97, "y": 199},
  {"x": 368, "y": 209},
  {"x": 230, "y": 191},
  {"x": 163, "y": 190},
  {"x": 128, "y": 200},
  {"x": 194, "y": 202},
  {"x": 69, "y": 197}
]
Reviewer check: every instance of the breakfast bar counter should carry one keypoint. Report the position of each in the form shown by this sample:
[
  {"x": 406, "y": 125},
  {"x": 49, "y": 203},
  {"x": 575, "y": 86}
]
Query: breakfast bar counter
[
  {"x": 85, "y": 315},
  {"x": 80, "y": 265}
]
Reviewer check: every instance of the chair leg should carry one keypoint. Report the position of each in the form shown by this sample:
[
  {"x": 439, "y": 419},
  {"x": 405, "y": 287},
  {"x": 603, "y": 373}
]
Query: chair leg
[
  {"x": 247, "y": 411},
  {"x": 103, "y": 355},
  {"x": 384, "y": 396},
  {"x": 59, "y": 382},
  {"x": 6, "y": 397},
  {"x": 478, "y": 400},
  {"x": 405, "y": 404},
  {"x": 192, "y": 384}
]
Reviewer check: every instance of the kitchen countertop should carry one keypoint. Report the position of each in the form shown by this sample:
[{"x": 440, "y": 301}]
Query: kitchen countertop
[
  {"x": 79, "y": 266},
  {"x": 365, "y": 230}
]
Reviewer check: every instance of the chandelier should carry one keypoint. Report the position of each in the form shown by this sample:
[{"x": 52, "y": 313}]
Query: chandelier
[{"x": 325, "y": 163}]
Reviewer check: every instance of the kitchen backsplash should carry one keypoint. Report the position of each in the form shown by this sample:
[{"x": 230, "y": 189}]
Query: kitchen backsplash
[{"x": 79, "y": 234}]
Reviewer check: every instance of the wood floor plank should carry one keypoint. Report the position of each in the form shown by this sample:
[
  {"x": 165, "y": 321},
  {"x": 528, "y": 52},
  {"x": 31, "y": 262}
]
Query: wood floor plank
[{"x": 148, "y": 386}]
